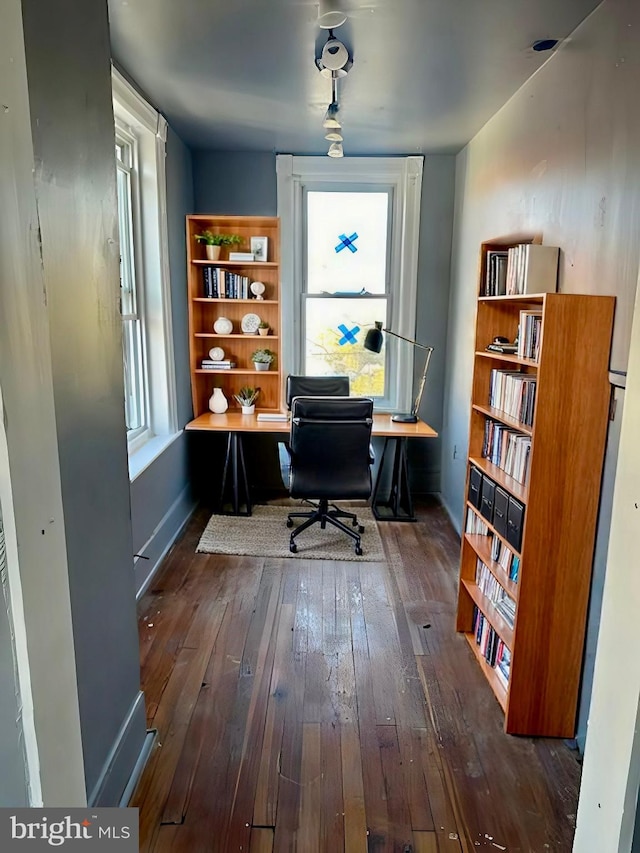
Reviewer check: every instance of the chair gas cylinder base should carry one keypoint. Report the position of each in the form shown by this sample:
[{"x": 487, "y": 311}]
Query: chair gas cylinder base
[{"x": 326, "y": 513}]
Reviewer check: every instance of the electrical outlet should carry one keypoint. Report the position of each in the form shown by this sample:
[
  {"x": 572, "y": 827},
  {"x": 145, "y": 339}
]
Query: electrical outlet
[{"x": 455, "y": 451}]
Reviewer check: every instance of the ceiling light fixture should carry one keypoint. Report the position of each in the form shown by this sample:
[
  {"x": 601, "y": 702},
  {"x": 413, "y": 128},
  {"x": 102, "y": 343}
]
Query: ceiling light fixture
[
  {"x": 335, "y": 150},
  {"x": 334, "y": 136},
  {"x": 330, "y": 14},
  {"x": 544, "y": 44},
  {"x": 334, "y": 62},
  {"x": 330, "y": 118}
]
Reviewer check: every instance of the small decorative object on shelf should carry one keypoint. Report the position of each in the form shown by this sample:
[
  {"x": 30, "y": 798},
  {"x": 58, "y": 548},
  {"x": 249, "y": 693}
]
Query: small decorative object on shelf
[
  {"x": 263, "y": 328},
  {"x": 247, "y": 397},
  {"x": 216, "y": 354},
  {"x": 257, "y": 288},
  {"x": 259, "y": 248},
  {"x": 218, "y": 403},
  {"x": 213, "y": 242},
  {"x": 262, "y": 359},
  {"x": 223, "y": 326},
  {"x": 250, "y": 324}
]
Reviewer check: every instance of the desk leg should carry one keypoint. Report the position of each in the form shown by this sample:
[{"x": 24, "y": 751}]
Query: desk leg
[
  {"x": 239, "y": 481},
  {"x": 398, "y": 505}
]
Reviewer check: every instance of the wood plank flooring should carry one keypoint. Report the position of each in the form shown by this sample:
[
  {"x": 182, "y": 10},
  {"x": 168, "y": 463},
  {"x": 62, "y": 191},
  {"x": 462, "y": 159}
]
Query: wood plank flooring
[{"x": 306, "y": 705}]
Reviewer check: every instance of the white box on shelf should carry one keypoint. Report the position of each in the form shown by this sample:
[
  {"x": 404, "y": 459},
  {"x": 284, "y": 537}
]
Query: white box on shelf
[{"x": 241, "y": 256}]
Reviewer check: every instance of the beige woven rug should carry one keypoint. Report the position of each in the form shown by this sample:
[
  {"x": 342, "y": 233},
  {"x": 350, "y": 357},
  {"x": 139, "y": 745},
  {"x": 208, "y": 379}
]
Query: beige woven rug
[{"x": 265, "y": 534}]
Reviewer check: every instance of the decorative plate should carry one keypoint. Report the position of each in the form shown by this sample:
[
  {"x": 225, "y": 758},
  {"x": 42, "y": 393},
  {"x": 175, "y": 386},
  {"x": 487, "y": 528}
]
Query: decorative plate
[
  {"x": 249, "y": 324},
  {"x": 216, "y": 354},
  {"x": 223, "y": 326},
  {"x": 257, "y": 288}
]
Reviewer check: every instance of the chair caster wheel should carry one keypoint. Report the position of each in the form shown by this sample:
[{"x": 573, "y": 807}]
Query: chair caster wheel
[
  {"x": 293, "y": 547},
  {"x": 358, "y": 551},
  {"x": 361, "y": 528},
  {"x": 289, "y": 523}
]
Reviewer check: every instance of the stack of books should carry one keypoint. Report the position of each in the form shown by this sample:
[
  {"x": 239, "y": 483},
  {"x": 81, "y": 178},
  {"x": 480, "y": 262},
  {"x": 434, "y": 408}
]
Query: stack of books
[
  {"x": 210, "y": 364},
  {"x": 532, "y": 268},
  {"x": 530, "y": 335},
  {"x": 513, "y": 393}
]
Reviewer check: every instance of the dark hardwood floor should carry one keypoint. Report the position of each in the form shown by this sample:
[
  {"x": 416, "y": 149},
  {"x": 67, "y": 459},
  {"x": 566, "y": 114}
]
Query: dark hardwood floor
[{"x": 322, "y": 706}]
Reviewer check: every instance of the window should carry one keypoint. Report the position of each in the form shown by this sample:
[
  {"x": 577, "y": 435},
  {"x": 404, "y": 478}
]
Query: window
[
  {"x": 349, "y": 259},
  {"x": 147, "y": 341}
]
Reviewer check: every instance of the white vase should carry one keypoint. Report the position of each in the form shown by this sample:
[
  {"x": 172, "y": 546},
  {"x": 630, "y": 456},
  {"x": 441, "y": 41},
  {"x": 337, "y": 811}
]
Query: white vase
[
  {"x": 263, "y": 332},
  {"x": 213, "y": 253},
  {"x": 248, "y": 410},
  {"x": 218, "y": 403},
  {"x": 261, "y": 365},
  {"x": 223, "y": 326}
]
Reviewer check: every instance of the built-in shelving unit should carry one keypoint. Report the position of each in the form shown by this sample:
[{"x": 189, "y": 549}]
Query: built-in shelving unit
[
  {"x": 205, "y": 310},
  {"x": 540, "y": 640}
]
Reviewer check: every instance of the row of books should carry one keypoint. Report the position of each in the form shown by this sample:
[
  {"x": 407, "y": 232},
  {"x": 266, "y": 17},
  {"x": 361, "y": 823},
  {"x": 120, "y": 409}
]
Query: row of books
[
  {"x": 210, "y": 364},
  {"x": 513, "y": 393},
  {"x": 490, "y": 587},
  {"x": 475, "y": 524},
  {"x": 491, "y": 646},
  {"x": 504, "y": 556},
  {"x": 530, "y": 335},
  {"x": 508, "y": 449},
  {"x": 219, "y": 283},
  {"x": 527, "y": 268}
]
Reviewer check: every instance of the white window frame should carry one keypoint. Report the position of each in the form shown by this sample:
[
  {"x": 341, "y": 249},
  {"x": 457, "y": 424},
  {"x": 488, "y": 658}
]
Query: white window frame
[
  {"x": 404, "y": 175},
  {"x": 135, "y": 119}
]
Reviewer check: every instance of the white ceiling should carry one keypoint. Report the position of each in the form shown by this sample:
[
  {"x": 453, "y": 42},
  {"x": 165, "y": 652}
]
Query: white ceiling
[{"x": 427, "y": 74}]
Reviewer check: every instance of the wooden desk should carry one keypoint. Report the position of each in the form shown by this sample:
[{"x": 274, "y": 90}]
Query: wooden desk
[{"x": 396, "y": 506}]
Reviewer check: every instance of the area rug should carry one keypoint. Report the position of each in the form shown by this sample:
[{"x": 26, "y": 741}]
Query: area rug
[{"x": 265, "y": 534}]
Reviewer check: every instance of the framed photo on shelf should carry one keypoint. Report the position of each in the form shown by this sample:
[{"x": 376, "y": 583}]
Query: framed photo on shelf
[{"x": 259, "y": 248}]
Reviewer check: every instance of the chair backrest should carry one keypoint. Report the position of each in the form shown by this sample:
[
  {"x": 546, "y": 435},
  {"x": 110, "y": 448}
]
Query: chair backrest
[
  {"x": 316, "y": 386},
  {"x": 330, "y": 447}
]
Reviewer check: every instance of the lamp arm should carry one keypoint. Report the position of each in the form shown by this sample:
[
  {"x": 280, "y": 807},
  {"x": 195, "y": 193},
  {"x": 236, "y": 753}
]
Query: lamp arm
[
  {"x": 409, "y": 340},
  {"x": 418, "y": 400}
]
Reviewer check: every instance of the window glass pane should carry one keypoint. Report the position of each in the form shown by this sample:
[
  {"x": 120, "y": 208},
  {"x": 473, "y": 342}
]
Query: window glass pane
[
  {"x": 125, "y": 228},
  {"x": 133, "y": 389},
  {"x": 335, "y": 332},
  {"x": 347, "y": 241}
]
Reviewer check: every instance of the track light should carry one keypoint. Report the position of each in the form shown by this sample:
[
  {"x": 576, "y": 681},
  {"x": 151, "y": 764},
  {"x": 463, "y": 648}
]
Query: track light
[
  {"x": 334, "y": 61},
  {"x": 335, "y": 150},
  {"x": 330, "y": 118},
  {"x": 330, "y": 14},
  {"x": 334, "y": 136}
]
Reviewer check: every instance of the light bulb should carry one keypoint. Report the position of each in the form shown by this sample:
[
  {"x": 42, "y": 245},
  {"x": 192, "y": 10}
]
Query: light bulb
[
  {"x": 335, "y": 150},
  {"x": 334, "y": 136}
]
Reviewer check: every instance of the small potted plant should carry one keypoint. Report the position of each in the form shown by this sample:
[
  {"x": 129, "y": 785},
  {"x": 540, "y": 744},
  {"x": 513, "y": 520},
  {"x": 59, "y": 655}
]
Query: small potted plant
[
  {"x": 263, "y": 328},
  {"x": 214, "y": 242},
  {"x": 247, "y": 397},
  {"x": 262, "y": 359}
]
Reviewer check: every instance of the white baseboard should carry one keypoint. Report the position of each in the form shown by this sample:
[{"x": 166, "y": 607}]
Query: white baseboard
[{"x": 152, "y": 553}]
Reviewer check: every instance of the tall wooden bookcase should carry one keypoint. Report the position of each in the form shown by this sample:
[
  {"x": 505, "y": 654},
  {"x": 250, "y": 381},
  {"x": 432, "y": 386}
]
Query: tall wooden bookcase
[
  {"x": 560, "y": 499},
  {"x": 204, "y": 311}
]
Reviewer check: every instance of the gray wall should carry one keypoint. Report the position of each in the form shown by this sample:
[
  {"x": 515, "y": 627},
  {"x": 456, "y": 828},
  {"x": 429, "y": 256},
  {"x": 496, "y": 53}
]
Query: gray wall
[
  {"x": 560, "y": 160},
  {"x": 235, "y": 183},
  {"x": 245, "y": 184},
  {"x": 161, "y": 496},
  {"x": 68, "y": 56}
]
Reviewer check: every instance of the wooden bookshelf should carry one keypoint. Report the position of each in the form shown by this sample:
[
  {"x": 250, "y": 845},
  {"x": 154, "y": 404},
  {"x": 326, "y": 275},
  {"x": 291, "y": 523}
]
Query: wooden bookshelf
[
  {"x": 560, "y": 499},
  {"x": 204, "y": 311}
]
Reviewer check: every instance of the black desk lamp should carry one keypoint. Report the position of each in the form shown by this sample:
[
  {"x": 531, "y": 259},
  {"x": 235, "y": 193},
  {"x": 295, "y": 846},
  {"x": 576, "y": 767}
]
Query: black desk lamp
[{"x": 373, "y": 342}]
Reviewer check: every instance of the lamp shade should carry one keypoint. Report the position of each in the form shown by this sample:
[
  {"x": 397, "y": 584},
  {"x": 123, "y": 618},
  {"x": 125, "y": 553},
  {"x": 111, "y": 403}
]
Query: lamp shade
[
  {"x": 330, "y": 15},
  {"x": 374, "y": 338}
]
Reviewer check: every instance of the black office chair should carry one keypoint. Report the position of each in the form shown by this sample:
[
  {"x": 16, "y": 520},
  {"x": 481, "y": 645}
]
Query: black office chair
[
  {"x": 330, "y": 460},
  {"x": 316, "y": 386}
]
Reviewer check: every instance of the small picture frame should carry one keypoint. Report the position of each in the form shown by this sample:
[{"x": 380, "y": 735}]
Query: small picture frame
[{"x": 259, "y": 248}]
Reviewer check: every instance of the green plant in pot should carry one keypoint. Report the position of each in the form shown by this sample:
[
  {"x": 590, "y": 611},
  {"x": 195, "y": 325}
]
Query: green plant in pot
[
  {"x": 247, "y": 397},
  {"x": 214, "y": 242},
  {"x": 262, "y": 359},
  {"x": 263, "y": 328}
]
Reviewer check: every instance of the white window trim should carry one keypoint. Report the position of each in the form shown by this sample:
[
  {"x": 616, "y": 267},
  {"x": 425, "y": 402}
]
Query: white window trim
[
  {"x": 404, "y": 174},
  {"x": 141, "y": 120}
]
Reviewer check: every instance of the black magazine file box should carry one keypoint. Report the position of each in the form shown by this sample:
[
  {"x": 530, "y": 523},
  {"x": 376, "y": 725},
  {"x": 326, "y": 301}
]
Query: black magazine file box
[
  {"x": 500, "y": 511},
  {"x": 488, "y": 492},
  {"x": 475, "y": 486},
  {"x": 515, "y": 522}
]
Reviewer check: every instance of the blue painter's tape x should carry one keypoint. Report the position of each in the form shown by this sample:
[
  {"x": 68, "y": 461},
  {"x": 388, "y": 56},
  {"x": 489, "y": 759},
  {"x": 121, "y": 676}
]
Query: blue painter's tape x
[
  {"x": 347, "y": 242},
  {"x": 348, "y": 335}
]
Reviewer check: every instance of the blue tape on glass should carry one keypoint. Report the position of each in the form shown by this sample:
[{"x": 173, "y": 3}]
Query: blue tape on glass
[
  {"x": 348, "y": 335},
  {"x": 347, "y": 242}
]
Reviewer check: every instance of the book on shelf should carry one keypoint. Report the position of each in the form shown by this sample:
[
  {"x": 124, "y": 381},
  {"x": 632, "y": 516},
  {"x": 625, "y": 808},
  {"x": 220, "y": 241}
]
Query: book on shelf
[
  {"x": 220, "y": 283},
  {"x": 495, "y": 283},
  {"x": 507, "y": 349},
  {"x": 532, "y": 268},
  {"x": 208, "y": 364},
  {"x": 273, "y": 416},
  {"x": 241, "y": 256},
  {"x": 530, "y": 335},
  {"x": 513, "y": 393}
]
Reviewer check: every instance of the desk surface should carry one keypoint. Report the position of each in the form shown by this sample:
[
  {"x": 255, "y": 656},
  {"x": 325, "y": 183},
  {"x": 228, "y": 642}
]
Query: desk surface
[{"x": 236, "y": 422}]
